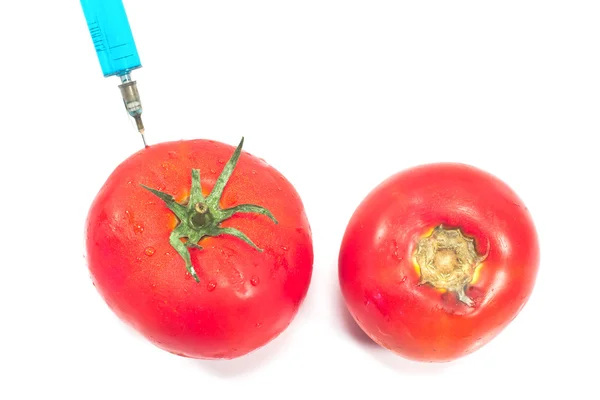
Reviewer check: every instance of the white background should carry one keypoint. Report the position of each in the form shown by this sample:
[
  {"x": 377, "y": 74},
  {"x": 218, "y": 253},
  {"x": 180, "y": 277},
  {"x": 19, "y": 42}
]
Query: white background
[{"x": 337, "y": 95}]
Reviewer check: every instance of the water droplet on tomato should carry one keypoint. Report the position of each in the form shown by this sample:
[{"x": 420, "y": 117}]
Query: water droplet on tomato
[
  {"x": 258, "y": 324},
  {"x": 212, "y": 171},
  {"x": 221, "y": 161},
  {"x": 284, "y": 248},
  {"x": 167, "y": 254},
  {"x": 165, "y": 165},
  {"x": 255, "y": 281},
  {"x": 279, "y": 188},
  {"x": 149, "y": 251},
  {"x": 172, "y": 154},
  {"x": 212, "y": 285},
  {"x": 129, "y": 216},
  {"x": 253, "y": 172},
  {"x": 396, "y": 252},
  {"x": 139, "y": 228},
  {"x": 129, "y": 182}
]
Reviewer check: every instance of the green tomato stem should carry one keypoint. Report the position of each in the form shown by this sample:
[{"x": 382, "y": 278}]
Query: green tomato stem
[{"x": 202, "y": 217}]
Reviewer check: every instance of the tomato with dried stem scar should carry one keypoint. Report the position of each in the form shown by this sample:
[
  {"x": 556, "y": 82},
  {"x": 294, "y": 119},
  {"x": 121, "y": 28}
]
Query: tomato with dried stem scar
[
  {"x": 437, "y": 260},
  {"x": 200, "y": 273}
]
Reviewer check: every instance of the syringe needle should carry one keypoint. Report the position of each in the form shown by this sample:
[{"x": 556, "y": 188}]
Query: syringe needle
[
  {"x": 132, "y": 101},
  {"x": 140, "y": 126}
]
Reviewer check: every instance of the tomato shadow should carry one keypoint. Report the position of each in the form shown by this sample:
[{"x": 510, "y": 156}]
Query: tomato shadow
[
  {"x": 246, "y": 364},
  {"x": 385, "y": 357},
  {"x": 351, "y": 327},
  {"x": 404, "y": 366}
]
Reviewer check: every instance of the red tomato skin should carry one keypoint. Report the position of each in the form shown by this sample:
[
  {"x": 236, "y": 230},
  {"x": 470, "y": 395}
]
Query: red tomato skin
[
  {"x": 245, "y": 298},
  {"x": 377, "y": 274}
]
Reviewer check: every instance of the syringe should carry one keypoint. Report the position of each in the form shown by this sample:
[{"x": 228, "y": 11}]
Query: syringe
[{"x": 116, "y": 50}]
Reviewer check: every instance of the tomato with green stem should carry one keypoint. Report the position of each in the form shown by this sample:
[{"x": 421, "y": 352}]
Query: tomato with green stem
[
  {"x": 437, "y": 260},
  {"x": 205, "y": 258}
]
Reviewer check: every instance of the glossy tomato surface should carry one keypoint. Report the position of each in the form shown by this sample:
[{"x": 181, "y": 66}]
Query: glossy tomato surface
[
  {"x": 243, "y": 297},
  {"x": 381, "y": 279}
]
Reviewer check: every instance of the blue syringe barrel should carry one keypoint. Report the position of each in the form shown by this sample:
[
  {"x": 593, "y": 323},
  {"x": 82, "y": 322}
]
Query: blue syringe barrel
[{"x": 112, "y": 37}]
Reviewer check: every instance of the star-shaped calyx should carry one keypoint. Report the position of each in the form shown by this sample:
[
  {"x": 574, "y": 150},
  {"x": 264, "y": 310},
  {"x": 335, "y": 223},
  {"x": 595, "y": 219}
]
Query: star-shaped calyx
[
  {"x": 202, "y": 217},
  {"x": 447, "y": 259}
]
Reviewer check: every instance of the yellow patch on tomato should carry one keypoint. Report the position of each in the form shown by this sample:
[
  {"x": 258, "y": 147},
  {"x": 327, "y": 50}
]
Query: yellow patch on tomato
[{"x": 476, "y": 273}]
